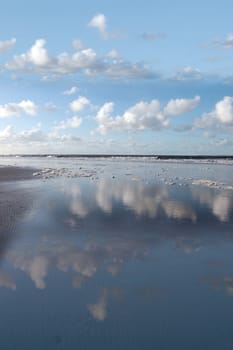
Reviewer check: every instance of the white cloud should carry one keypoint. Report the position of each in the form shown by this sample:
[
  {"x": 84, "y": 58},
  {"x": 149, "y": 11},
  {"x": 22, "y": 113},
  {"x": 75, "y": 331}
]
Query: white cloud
[
  {"x": 79, "y": 104},
  {"x": 38, "y": 60},
  {"x": 7, "y": 45},
  {"x": 181, "y": 106},
  {"x": 70, "y": 123},
  {"x": 220, "y": 117},
  {"x": 25, "y": 107},
  {"x": 7, "y": 132},
  {"x": 143, "y": 115},
  {"x": 227, "y": 43},
  {"x": 224, "y": 110},
  {"x": 50, "y": 107},
  {"x": 113, "y": 54},
  {"x": 105, "y": 112},
  {"x": 71, "y": 91},
  {"x": 38, "y": 54},
  {"x": 35, "y": 140},
  {"x": 188, "y": 73},
  {"x": 99, "y": 22}
]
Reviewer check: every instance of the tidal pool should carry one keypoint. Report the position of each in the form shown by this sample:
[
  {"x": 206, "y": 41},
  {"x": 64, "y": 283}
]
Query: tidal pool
[{"x": 120, "y": 262}]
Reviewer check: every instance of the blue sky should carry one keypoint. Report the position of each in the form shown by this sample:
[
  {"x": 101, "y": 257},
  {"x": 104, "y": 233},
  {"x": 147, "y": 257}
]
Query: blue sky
[{"x": 115, "y": 77}]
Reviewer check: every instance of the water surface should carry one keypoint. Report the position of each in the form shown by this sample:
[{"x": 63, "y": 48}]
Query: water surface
[{"x": 134, "y": 257}]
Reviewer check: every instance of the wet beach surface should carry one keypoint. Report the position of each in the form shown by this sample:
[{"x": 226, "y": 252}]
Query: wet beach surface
[{"x": 118, "y": 254}]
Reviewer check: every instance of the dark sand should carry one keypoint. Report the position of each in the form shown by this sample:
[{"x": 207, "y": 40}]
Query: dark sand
[
  {"x": 13, "y": 173},
  {"x": 14, "y": 201}
]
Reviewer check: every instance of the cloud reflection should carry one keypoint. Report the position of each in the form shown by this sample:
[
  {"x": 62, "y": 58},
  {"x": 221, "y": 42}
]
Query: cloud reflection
[
  {"x": 143, "y": 200},
  {"x": 7, "y": 281},
  {"x": 220, "y": 203}
]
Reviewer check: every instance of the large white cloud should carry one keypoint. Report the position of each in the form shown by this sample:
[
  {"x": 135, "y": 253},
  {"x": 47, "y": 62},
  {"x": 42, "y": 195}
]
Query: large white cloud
[
  {"x": 143, "y": 115},
  {"x": 84, "y": 60},
  {"x": 7, "y": 45},
  {"x": 220, "y": 117},
  {"x": 25, "y": 107}
]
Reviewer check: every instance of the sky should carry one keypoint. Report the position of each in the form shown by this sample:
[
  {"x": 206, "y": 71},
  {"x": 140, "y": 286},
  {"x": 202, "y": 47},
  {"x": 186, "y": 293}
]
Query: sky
[{"x": 116, "y": 77}]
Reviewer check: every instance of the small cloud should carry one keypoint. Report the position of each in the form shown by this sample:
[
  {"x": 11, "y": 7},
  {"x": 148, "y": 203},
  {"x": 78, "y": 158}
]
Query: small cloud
[
  {"x": 50, "y": 107},
  {"x": 71, "y": 91},
  {"x": 7, "y": 45},
  {"x": 147, "y": 36},
  {"x": 100, "y": 23},
  {"x": 25, "y": 107},
  {"x": 188, "y": 73},
  {"x": 77, "y": 44},
  {"x": 221, "y": 117},
  {"x": 113, "y": 54},
  {"x": 227, "y": 43},
  {"x": 71, "y": 123},
  {"x": 79, "y": 104}
]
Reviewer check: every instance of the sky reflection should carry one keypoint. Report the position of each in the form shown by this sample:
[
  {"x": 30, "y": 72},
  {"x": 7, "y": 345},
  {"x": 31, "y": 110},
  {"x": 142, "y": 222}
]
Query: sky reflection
[{"x": 109, "y": 234}]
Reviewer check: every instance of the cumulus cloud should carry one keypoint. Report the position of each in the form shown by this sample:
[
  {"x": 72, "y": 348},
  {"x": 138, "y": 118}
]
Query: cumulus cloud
[
  {"x": 25, "y": 107},
  {"x": 38, "y": 60},
  {"x": 143, "y": 115},
  {"x": 7, "y": 45},
  {"x": 100, "y": 23},
  {"x": 220, "y": 117},
  {"x": 181, "y": 106},
  {"x": 71, "y": 91},
  {"x": 35, "y": 140},
  {"x": 70, "y": 123},
  {"x": 79, "y": 104}
]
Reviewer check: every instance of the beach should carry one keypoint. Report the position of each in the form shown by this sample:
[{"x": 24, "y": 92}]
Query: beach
[{"x": 132, "y": 250}]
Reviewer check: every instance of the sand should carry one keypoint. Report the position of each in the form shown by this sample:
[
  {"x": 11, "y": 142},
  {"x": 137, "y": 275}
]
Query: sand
[
  {"x": 13, "y": 173},
  {"x": 13, "y": 200}
]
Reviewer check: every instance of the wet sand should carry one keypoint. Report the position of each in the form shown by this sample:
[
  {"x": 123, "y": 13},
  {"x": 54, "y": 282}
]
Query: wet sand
[
  {"x": 14, "y": 173},
  {"x": 13, "y": 200}
]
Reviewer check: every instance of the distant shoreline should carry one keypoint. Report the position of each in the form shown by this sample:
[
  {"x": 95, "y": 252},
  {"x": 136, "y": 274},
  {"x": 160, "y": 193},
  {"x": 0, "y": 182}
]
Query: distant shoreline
[{"x": 154, "y": 156}]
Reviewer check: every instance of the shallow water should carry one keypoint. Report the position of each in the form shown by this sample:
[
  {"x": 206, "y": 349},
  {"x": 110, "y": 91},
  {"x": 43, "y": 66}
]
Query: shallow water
[{"x": 139, "y": 260}]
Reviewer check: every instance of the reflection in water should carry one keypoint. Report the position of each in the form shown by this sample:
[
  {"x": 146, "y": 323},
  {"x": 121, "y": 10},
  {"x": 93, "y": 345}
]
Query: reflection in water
[
  {"x": 141, "y": 199},
  {"x": 118, "y": 246},
  {"x": 220, "y": 203},
  {"x": 225, "y": 283},
  {"x": 7, "y": 281},
  {"x": 99, "y": 310},
  {"x": 108, "y": 225}
]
